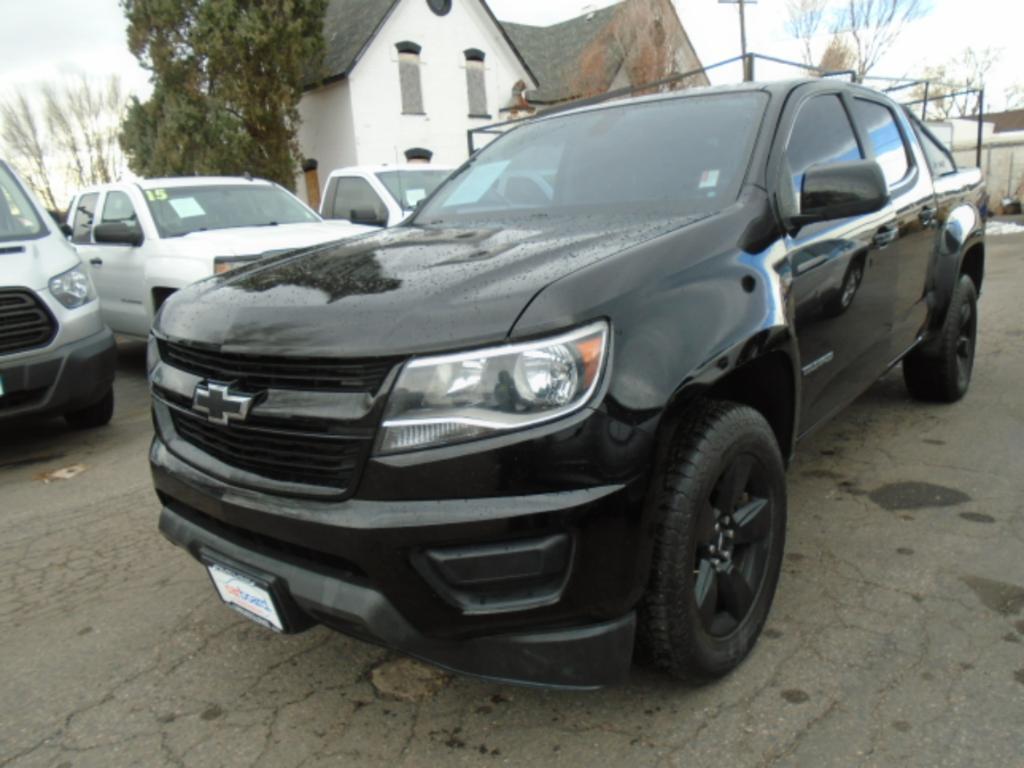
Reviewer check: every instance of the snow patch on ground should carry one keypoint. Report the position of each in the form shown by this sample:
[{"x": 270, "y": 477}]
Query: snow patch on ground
[{"x": 1004, "y": 228}]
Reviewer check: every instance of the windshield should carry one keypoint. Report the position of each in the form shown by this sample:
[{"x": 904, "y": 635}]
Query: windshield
[
  {"x": 178, "y": 211},
  {"x": 409, "y": 187},
  {"x": 676, "y": 157},
  {"x": 18, "y": 217}
]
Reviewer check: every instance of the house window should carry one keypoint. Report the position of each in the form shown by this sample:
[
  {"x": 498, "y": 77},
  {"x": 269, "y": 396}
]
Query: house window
[
  {"x": 475, "y": 84},
  {"x": 409, "y": 77},
  {"x": 418, "y": 155}
]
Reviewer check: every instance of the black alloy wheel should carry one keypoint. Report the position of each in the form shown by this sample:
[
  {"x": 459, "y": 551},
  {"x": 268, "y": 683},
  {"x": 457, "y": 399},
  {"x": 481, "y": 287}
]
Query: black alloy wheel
[
  {"x": 720, "y": 498},
  {"x": 968, "y": 331},
  {"x": 941, "y": 370},
  {"x": 733, "y": 537}
]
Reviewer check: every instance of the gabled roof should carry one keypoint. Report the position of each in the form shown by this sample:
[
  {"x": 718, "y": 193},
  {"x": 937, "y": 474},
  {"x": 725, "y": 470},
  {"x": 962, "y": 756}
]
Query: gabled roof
[
  {"x": 554, "y": 52},
  {"x": 351, "y": 25},
  {"x": 349, "y": 28}
]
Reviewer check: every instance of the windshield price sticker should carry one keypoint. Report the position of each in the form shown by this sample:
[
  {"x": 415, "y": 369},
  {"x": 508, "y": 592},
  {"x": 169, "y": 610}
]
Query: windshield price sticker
[{"x": 156, "y": 194}]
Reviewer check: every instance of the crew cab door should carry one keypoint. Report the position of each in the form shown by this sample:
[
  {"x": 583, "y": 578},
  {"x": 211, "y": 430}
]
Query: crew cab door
[
  {"x": 844, "y": 284},
  {"x": 889, "y": 140},
  {"x": 118, "y": 270}
]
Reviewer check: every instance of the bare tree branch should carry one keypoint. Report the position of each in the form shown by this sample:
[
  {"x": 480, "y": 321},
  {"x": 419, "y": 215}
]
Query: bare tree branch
[
  {"x": 873, "y": 27},
  {"x": 965, "y": 72},
  {"x": 803, "y": 22},
  {"x": 24, "y": 143}
]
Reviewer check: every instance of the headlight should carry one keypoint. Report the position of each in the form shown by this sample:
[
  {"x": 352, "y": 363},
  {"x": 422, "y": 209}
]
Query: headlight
[
  {"x": 223, "y": 264},
  {"x": 72, "y": 288},
  {"x": 451, "y": 398}
]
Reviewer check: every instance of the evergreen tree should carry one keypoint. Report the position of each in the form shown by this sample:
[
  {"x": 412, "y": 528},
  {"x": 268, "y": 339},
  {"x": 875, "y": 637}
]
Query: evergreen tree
[{"x": 227, "y": 77}]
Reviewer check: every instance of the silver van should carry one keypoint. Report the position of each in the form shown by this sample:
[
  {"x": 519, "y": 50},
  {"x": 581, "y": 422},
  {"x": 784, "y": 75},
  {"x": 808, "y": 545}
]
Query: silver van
[{"x": 56, "y": 355}]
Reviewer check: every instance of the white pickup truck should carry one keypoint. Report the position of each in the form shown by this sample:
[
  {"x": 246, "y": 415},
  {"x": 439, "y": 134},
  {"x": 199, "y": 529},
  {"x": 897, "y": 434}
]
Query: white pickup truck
[
  {"x": 379, "y": 195},
  {"x": 143, "y": 240}
]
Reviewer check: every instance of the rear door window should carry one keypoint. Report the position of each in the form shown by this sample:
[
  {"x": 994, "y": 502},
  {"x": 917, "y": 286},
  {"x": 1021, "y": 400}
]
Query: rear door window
[
  {"x": 938, "y": 157},
  {"x": 885, "y": 138},
  {"x": 81, "y": 222},
  {"x": 821, "y": 135}
]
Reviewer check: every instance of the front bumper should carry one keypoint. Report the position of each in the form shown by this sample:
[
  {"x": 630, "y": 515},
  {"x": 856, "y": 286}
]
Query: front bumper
[
  {"x": 59, "y": 380},
  {"x": 535, "y": 589},
  {"x": 575, "y": 657}
]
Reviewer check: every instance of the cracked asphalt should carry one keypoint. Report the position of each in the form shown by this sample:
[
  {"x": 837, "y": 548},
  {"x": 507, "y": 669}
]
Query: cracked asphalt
[{"x": 897, "y": 635}]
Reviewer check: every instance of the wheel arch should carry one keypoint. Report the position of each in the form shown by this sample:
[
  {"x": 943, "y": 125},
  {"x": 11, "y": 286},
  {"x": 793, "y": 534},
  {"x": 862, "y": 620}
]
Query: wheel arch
[
  {"x": 766, "y": 381},
  {"x": 972, "y": 263}
]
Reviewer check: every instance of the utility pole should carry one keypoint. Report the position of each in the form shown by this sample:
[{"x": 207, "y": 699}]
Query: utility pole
[{"x": 748, "y": 61}]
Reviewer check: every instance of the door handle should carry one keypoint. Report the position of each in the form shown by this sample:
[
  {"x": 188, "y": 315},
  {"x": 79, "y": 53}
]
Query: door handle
[
  {"x": 96, "y": 261},
  {"x": 928, "y": 215},
  {"x": 886, "y": 234}
]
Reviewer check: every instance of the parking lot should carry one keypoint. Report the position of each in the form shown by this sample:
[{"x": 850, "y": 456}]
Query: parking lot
[{"x": 897, "y": 636}]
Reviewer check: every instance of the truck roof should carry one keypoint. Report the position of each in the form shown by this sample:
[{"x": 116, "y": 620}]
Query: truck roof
[
  {"x": 404, "y": 167},
  {"x": 774, "y": 87},
  {"x": 170, "y": 182}
]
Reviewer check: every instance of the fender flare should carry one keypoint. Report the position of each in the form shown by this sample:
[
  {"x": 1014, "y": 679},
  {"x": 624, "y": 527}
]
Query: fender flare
[{"x": 963, "y": 231}]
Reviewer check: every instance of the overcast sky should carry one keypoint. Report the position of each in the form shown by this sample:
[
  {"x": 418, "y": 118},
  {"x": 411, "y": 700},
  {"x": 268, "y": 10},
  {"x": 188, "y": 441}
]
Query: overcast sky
[{"x": 47, "y": 39}]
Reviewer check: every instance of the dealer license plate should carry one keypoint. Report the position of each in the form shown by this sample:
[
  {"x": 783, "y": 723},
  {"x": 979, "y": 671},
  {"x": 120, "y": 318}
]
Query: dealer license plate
[{"x": 246, "y": 596}]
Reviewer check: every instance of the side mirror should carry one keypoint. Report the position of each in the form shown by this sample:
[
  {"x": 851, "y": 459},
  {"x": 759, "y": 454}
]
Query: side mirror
[
  {"x": 840, "y": 190},
  {"x": 118, "y": 233},
  {"x": 368, "y": 217},
  {"x": 66, "y": 230}
]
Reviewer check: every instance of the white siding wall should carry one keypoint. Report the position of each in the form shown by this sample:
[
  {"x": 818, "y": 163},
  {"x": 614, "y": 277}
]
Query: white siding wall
[
  {"x": 326, "y": 132},
  {"x": 360, "y": 120}
]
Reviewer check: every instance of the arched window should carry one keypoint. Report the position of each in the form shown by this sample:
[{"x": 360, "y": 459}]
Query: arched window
[
  {"x": 409, "y": 77},
  {"x": 476, "y": 85},
  {"x": 418, "y": 155}
]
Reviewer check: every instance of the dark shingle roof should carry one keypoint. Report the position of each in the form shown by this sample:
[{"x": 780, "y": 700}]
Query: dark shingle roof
[
  {"x": 554, "y": 52},
  {"x": 349, "y": 27}
]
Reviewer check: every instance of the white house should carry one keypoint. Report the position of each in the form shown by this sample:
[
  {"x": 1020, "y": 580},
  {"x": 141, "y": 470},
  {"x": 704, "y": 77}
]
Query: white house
[{"x": 404, "y": 80}]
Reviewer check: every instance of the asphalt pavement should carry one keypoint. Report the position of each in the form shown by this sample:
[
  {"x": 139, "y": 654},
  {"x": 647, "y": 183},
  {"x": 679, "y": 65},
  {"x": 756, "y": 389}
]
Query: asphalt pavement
[{"x": 897, "y": 635}]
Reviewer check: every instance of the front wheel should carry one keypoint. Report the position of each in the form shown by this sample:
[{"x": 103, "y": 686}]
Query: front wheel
[
  {"x": 721, "y": 498},
  {"x": 95, "y": 415}
]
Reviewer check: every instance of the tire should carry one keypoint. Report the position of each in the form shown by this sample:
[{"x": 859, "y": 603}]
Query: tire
[
  {"x": 943, "y": 374},
  {"x": 696, "y": 621},
  {"x": 95, "y": 415}
]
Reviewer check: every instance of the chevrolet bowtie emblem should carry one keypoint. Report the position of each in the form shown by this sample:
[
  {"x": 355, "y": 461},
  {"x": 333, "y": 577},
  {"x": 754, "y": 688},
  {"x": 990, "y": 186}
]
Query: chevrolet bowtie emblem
[{"x": 220, "y": 404}]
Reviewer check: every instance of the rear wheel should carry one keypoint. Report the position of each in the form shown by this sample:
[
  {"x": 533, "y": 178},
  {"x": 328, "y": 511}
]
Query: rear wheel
[
  {"x": 95, "y": 415},
  {"x": 722, "y": 501},
  {"x": 944, "y": 374}
]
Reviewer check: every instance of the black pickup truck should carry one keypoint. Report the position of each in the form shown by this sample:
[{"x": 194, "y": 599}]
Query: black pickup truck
[{"x": 547, "y": 420}]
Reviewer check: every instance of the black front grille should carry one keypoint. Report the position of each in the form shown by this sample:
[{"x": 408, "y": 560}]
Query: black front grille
[
  {"x": 24, "y": 322},
  {"x": 256, "y": 372},
  {"x": 288, "y": 456}
]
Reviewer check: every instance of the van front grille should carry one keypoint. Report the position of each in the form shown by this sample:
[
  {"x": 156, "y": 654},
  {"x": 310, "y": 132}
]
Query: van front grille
[{"x": 24, "y": 322}]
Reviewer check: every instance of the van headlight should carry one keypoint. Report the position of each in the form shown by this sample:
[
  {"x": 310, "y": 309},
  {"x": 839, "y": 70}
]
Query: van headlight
[
  {"x": 72, "y": 288},
  {"x": 451, "y": 398}
]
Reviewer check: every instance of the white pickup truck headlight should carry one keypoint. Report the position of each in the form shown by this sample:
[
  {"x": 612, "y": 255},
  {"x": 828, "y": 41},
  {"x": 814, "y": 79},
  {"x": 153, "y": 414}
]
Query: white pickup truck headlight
[
  {"x": 451, "y": 398},
  {"x": 72, "y": 288},
  {"x": 224, "y": 264}
]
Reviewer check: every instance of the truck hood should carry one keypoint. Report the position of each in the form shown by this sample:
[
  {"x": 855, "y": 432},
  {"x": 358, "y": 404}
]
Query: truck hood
[
  {"x": 253, "y": 241},
  {"x": 31, "y": 263},
  {"x": 400, "y": 291}
]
